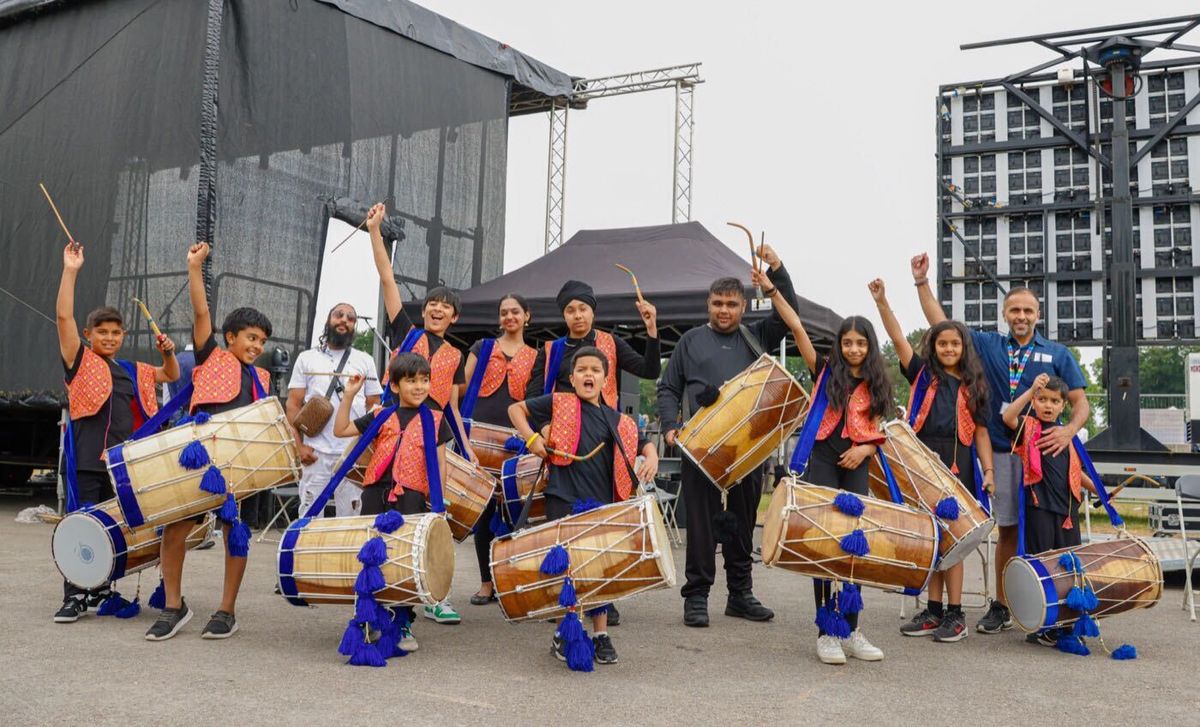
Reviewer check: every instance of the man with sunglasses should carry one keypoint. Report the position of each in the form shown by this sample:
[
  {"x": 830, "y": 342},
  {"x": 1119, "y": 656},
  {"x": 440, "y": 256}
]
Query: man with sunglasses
[{"x": 320, "y": 452}]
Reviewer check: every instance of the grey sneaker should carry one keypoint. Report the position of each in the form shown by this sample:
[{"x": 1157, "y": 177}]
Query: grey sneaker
[
  {"x": 997, "y": 619},
  {"x": 923, "y": 624},
  {"x": 169, "y": 621},
  {"x": 222, "y": 625},
  {"x": 952, "y": 628}
]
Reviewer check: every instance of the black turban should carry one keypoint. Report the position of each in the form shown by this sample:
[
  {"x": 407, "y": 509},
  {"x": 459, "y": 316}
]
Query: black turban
[{"x": 575, "y": 290}]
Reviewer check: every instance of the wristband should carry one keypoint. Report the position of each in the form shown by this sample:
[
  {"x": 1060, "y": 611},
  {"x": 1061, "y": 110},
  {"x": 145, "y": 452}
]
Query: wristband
[
  {"x": 770, "y": 292},
  {"x": 532, "y": 438},
  {"x": 920, "y": 282}
]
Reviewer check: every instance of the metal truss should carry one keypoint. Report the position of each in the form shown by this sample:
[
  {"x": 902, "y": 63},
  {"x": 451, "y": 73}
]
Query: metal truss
[{"x": 683, "y": 79}]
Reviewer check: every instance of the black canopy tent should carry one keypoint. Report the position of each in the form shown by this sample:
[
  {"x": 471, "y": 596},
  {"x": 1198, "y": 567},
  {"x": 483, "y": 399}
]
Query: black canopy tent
[{"x": 675, "y": 264}]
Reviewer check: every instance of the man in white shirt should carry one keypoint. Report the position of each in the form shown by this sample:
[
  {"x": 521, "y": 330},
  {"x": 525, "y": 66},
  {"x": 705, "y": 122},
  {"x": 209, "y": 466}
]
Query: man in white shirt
[{"x": 320, "y": 453}]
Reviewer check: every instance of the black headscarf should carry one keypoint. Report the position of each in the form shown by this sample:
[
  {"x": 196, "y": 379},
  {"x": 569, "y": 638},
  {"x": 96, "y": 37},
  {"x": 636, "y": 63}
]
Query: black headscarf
[{"x": 575, "y": 290}]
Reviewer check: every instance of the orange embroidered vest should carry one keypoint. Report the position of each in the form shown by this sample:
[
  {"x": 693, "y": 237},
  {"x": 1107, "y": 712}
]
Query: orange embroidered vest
[
  {"x": 408, "y": 465},
  {"x": 966, "y": 422},
  {"x": 608, "y": 346},
  {"x": 93, "y": 384},
  {"x": 566, "y": 423},
  {"x": 219, "y": 379},
  {"x": 516, "y": 371},
  {"x": 859, "y": 426},
  {"x": 1033, "y": 472},
  {"x": 442, "y": 367}
]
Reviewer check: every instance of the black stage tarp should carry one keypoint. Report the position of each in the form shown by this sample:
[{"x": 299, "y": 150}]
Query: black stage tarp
[{"x": 674, "y": 265}]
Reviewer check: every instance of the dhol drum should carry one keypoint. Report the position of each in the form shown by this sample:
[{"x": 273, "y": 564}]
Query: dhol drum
[
  {"x": 254, "y": 447},
  {"x": 318, "y": 560},
  {"x": 924, "y": 481},
  {"x": 1124, "y": 574},
  {"x": 489, "y": 443},
  {"x": 94, "y": 546},
  {"x": 615, "y": 551},
  {"x": 313, "y": 416},
  {"x": 756, "y": 411},
  {"x": 466, "y": 491},
  {"x": 517, "y": 476},
  {"x": 803, "y": 532}
]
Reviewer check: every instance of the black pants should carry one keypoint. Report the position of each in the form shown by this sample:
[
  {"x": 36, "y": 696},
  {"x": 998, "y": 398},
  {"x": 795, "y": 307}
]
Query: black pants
[
  {"x": 1044, "y": 530},
  {"x": 375, "y": 501},
  {"x": 93, "y": 487},
  {"x": 823, "y": 470},
  {"x": 483, "y": 542},
  {"x": 703, "y": 500}
]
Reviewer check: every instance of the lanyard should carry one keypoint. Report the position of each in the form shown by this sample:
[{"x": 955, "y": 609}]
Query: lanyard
[{"x": 1016, "y": 366}]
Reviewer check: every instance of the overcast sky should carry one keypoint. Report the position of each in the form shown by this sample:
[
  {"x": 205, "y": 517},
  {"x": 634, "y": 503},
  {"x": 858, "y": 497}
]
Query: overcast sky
[{"x": 815, "y": 122}]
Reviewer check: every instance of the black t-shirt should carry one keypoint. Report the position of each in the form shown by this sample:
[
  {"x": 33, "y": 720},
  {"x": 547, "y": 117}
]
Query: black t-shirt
[
  {"x": 591, "y": 478},
  {"x": 648, "y": 366},
  {"x": 405, "y": 415},
  {"x": 942, "y": 421},
  {"x": 835, "y": 440},
  {"x": 108, "y": 427},
  {"x": 245, "y": 395},
  {"x": 1053, "y": 492},
  {"x": 398, "y": 329},
  {"x": 492, "y": 409}
]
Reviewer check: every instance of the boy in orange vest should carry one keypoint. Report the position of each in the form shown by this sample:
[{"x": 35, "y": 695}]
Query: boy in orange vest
[
  {"x": 224, "y": 379},
  {"x": 397, "y": 477},
  {"x": 578, "y": 423},
  {"x": 108, "y": 399}
]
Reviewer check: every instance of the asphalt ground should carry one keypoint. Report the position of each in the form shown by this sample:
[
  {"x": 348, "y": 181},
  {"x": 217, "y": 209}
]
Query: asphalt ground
[{"x": 282, "y": 667}]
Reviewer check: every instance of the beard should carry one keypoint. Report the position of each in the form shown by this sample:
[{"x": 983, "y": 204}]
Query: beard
[{"x": 337, "y": 339}]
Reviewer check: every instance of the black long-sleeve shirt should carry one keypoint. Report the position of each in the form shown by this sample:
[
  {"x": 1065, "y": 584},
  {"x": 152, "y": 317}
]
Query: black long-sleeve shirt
[
  {"x": 704, "y": 356},
  {"x": 646, "y": 367}
]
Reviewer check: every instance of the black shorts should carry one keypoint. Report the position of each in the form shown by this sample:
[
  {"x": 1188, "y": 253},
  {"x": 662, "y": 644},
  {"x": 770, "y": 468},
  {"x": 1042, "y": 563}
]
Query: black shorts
[{"x": 1044, "y": 530}]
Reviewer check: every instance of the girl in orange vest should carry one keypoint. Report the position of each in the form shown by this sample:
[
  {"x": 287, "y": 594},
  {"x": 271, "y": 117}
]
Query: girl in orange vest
[
  {"x": 855, "y": 383},
  {"x": 224, "y": 379},
  {"x": 578, "y": 423},
  {"x": 950, "y": 396},
  {"x": 503, "y": 379},
  {"x": 108, "y": 399}
]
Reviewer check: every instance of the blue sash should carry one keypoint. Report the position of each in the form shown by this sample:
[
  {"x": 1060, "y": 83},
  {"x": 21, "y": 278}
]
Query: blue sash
[
  {"x": 318, "y": 505},
  {"x": 553, "y": 363},
  {"x": 472, "y": 396},
  {"x": 808, "y": 433},
  {"x": 920, "y": 391}
]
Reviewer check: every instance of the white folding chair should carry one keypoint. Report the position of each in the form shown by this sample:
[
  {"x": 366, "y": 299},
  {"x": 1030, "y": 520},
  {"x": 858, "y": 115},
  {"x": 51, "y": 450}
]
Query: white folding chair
[
  {"x": 1187, "y": 486},
  {"x": 666, "y": 504},
  {"x": 284, "y": 497}
]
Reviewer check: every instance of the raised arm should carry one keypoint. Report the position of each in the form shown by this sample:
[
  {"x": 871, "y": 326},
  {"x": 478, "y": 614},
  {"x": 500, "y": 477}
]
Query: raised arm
[
  {"x": 772, "y": 329},
  {"x": 904, "y": 349},
  {"x": 383, "y": 262},
  {"x": 789, "y": 316},
  {"x": 201, "y": 320},
  {"x": 342, "y": 425},
  {"x": 64, "y": 306},
  {"x": 929, "y": 303},
  {"x": 169, "y": 371},
  {"x": 1012, "y": 413}
]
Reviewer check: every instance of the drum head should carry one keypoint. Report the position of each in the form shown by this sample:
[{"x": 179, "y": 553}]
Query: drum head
[
  {"x": 1025, "y": 596},
  {"x": 966, "y": 546},
  {"x": 438, "y": 559},
  {"x": 83, "y": 550},
  {"x": 773, "y": 525},
  {"x": 658, "y": 537}
]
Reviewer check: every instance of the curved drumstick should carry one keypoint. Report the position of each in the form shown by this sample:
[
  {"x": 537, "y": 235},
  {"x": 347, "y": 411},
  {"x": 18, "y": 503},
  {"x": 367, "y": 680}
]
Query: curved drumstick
[
  {"x": 753, "y": 256},
  {"x": 61, "y": 224},
  {"x": 149, "y": 318},
  {"x": 575, "y": 457},
  {"x": 632, "y": 277},
  {"x": 347, "y": 237}
]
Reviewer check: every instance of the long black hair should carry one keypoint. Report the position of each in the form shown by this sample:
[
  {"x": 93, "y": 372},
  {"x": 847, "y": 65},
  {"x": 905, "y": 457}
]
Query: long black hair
[
  {"x": 970, "y": 368},
  {"x": 873, "y": 370}
]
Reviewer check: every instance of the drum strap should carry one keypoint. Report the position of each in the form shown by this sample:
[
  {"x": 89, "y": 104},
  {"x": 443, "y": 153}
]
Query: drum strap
[
  {"x": 980, "y": 493},
  {"x": 523, "y": 518},
  {"x": 751, "y": 341},
  {"x": 333, "y": 385}
]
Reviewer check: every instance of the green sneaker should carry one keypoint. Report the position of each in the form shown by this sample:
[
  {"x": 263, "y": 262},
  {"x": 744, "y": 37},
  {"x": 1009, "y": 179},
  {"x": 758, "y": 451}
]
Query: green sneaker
[{"x": 443, "y": 613}]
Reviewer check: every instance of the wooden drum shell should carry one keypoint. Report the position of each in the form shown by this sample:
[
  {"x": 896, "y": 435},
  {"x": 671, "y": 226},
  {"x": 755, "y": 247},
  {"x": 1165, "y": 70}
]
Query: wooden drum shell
[
  {"x": 487, "y": 441},
  {"x": 466, "y": 491}
]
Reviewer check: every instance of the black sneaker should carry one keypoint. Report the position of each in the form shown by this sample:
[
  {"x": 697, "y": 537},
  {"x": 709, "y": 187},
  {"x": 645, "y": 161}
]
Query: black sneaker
[
  {"x": 695, "y": 611},
  {"x": 1044, "y": 638},
  {"x": 222, "y": 625},
  {"x": 745, "y": 605},
  {"x": 169, "y": 621},
  {"x": 614, "y": 616},
  {"x": 557, "y": 648},
  {"x": 923, "y": 624},
  {"x": 996, "y": 619},
  {"x": 952, "y": 628},
  {"x": 96, "y": 599},
  {"x": 72, "y": 608},
  {"x": 603, "y": 646}
]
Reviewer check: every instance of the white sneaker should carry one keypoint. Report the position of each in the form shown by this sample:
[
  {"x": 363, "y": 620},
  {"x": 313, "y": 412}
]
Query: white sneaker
[
  {"x": 858, "y": 647},
  {"x": 829, "y": 650},
  {"x": 408, "y": 642}
]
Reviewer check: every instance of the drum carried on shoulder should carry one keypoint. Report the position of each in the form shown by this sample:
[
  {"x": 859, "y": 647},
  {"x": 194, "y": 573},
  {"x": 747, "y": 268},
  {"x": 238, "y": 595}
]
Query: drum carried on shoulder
[
  {"x": 755, "y": 412},
  {"x": 615, "y": 551},
  {"x": 826, "y": 533},
  {"x": 924, "y": 482},
  {"x": 253, "y": 446},
  {"x": 94, "y": 546},
  {"x": 318, "y": 560}
]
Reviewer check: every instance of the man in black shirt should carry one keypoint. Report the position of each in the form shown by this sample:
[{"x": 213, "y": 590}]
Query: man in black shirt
[{"x": 708, "y": 356}]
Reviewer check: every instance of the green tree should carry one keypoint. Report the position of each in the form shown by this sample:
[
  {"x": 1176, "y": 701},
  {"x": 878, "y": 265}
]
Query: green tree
[
  {"x": 900, "y": 384},
  {"x": 364, "y": 341},
  {"x": 1160, "y": 371}
]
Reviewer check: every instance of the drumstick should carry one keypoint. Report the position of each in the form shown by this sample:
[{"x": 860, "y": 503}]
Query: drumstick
[
  {"x": 632, "y": 277},
  {"x": 149, "y": 318},
  {"x": 347, "y": 237},
  {"x": 340, "y": 375},
  {"x": 753, "y": 257},
  {"x": 61, "y": 224},
  {"x": 575, "y": 457}
]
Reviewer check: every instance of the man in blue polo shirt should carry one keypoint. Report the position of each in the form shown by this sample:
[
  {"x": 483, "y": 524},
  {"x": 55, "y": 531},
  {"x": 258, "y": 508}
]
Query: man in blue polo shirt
[{"x": 1011, "y": 361}]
